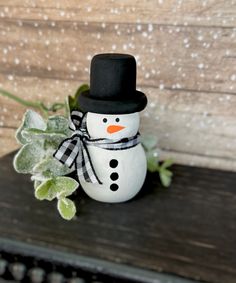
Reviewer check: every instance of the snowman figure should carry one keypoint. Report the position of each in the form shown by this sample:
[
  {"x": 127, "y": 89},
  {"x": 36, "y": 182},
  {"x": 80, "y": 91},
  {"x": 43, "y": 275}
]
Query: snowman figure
[{"x": 110, "y": 161}]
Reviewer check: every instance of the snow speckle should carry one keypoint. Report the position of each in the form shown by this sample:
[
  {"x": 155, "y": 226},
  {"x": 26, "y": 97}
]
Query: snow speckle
[
  {"x": 125, "y": 47},
  {"x": 201, "y": 66},
  {"x": 233, "y": 77},
  {"x": 150, "y": 27},
  {"x": 227, "y": 52},
  {"x": 10, "y": 77},
  {"x": 62, "y": 13},
  {"x": 6, "y": 9},
  {"x": 17, "y": 61},
  {"x": 139, "y": 27},
  {"x": 194, "y": 55},
  {"x": 45, "y": 17},
  {"x": 186, "y": 40},
  {"x": 144, "y": 34},
  {"x": 200, "y": 37}
]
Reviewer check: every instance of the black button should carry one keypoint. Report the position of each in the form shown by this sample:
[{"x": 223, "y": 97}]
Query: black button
[
  {"x": 114, "y": 187},
  {"x": 113, "y": 163},
  {"x": 114, "y": 176}
]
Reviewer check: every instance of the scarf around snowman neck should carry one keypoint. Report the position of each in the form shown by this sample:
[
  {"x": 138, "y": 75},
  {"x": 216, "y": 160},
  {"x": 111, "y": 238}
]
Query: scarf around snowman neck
[{"x": 73, "y": 151}]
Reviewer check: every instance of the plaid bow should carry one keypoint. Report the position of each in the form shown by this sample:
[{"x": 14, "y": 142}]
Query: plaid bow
[{"x": 73, "y": 151}]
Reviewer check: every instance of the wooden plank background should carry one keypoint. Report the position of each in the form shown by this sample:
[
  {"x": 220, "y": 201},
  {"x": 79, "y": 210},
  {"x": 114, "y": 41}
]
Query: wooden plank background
[{"x": 185, "y": 50}]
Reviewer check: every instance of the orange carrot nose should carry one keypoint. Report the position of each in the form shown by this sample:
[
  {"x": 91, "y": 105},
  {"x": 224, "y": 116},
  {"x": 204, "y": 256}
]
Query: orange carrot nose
[{"x": 114, "y": 128}]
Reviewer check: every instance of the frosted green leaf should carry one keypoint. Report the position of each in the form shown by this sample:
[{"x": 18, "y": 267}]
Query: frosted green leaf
[
  {"x": 152, "y": 164},
  {"x": 58, "y": 124},
  {"x": 167, "y": 163},
  {"x": 34, "y": 134},
  {"x": 166, "y": 177},
  {"x": 46, "y": 190},
  {"x": 149, "y": 142},
  {"x": 66, "y": 186},
  {"x": 36, "y": 183},
  {"x": 28, "y": 156},
  {"x": 152, "y": 161},
  {"x": 50, "y": 167},
  {"x": 66, "y": 208},
  {"x": 56, "y": 187},
  {"x": 57, "y": 130},
  {"x": 31, "y": 119},
  {"x": 51, "y": 145}
]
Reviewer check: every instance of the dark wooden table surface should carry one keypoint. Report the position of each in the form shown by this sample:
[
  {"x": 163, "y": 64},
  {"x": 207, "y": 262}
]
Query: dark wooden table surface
[{"x": 188, "y": 229}]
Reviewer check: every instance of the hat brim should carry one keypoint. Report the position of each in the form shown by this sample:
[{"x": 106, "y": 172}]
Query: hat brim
[{"x": 88, "y": 103}]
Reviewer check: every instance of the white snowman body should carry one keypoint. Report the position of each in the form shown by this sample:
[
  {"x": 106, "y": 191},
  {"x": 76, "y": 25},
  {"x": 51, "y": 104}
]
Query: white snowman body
[{"x": 123, "y": 171}]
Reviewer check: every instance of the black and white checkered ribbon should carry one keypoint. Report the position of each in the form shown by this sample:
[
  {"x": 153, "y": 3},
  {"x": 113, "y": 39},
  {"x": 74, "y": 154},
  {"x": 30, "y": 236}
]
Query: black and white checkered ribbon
[{"x": 73, "y": 151}]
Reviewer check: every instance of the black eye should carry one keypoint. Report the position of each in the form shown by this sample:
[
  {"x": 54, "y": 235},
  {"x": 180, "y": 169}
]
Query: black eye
[
  {"x": 117, "y": 120},
  {"x": 104, "y": 120}
]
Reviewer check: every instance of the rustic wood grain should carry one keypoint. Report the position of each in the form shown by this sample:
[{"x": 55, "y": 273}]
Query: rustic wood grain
[
  {"x": 166, "y": 12},
  {"x": 186, "y": 63},
  {"x": 168, "y": 57},
  {"x": 188, "y": 230}
]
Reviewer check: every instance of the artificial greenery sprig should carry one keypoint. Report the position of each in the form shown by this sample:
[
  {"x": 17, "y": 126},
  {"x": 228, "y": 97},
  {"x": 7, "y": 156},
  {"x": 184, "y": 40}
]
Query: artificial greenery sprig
[{"x": 40, "y": 138}]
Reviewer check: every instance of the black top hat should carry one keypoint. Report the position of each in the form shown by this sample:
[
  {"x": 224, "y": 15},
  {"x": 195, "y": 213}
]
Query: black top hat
[{"x": 112, "y": 86}]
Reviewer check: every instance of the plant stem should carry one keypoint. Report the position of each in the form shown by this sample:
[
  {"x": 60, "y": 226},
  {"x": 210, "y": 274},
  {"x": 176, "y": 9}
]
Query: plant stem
[
  {"x": 20, "y": 100},
  {"x": 38, "y": 105}
]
